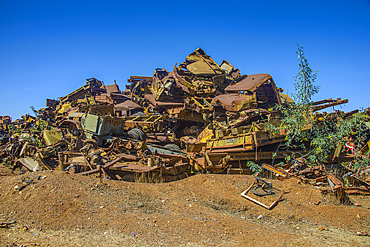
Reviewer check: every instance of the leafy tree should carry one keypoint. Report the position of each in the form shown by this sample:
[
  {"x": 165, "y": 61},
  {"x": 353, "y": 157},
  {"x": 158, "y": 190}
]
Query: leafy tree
[
  {"x": 305, "y": 80},
  {"x": 319, "y": 134}
]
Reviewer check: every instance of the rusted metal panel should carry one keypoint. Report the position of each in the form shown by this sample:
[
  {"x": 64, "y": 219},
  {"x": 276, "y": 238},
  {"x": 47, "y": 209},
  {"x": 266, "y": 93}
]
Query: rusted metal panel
[
  {"x": 235, "y": 102},
  {"x": 249, "y": 83},
  {"x": 128, "y": 105}
]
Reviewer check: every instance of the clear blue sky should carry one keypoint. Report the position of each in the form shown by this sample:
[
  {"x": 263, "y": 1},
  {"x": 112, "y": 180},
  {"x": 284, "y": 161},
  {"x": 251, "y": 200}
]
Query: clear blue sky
[{"x": 49, "y": 48}]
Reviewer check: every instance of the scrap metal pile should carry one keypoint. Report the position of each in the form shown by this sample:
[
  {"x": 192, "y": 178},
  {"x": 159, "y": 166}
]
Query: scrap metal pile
[{"x": 201, "y": 117}]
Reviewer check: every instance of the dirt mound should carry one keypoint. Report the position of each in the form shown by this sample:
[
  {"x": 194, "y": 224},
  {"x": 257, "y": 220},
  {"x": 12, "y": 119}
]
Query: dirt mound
[{"x": 60, "y": 209}]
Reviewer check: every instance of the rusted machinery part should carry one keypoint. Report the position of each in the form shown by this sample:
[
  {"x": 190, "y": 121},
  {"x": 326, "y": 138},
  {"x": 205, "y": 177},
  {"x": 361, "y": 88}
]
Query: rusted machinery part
[
  {"x": 175, "y": 125},
  {"x": 109, "y": 164},
  {"x": 88, "y": 146},
  {"x": 97, "y": 112},
  {"x": 59, "y": 146},
  {"x": 113, "y": 145},
  {"x": 68, "y": 123},
  {"x": 90, "y": 141},
  {"x": 60, "y": 143}
]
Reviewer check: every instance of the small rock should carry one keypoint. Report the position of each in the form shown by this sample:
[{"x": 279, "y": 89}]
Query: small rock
[
  {"x": 357, "y": 204},
  {"x": 259, "y": 217},
  {"x": 133, "y": 234},
  {"x": 321, "y": 228},
  {"x": 101, "y": 207},
  {"x": 140, "y": 205}
]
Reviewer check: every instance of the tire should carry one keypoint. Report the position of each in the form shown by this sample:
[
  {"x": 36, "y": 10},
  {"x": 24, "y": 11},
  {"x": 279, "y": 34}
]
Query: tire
[
  {"x": 173, "y": 147},
  {"x": 141, "y": 133},
  {"x": 136, "y": 134}
]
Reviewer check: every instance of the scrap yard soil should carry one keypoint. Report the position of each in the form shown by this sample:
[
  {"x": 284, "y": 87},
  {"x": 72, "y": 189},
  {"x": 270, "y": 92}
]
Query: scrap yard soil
[{"x": 61, "y": 209}]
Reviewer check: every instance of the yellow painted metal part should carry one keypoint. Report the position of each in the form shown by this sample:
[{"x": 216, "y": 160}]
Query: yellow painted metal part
[
  {"x": 51, "y": 136},
  {"x": 64, "y": 107},
  {"x": 205, "y": 135},
  {"x": 231, "y": 141}
]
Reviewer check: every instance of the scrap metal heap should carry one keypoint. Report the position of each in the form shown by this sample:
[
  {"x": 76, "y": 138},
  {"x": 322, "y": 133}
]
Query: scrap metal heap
[{"x": 201, "y": 117}]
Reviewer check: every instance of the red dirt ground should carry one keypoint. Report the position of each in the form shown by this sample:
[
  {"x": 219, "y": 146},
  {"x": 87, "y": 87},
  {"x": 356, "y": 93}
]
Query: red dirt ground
[{"x": 62, "y": 209}]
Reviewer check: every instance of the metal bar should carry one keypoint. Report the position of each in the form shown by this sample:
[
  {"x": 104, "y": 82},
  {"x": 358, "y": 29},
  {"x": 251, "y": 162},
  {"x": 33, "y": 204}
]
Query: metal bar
[
  {"x": 103, "y": 167},
  {"x": 276, "y": 170}
]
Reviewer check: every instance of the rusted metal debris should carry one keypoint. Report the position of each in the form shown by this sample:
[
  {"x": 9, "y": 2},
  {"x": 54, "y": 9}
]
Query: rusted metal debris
[
  {"x": 7, "y": 224},
  {"x": 256, "y": 184},
  {"x": 201, "y": 117}
]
